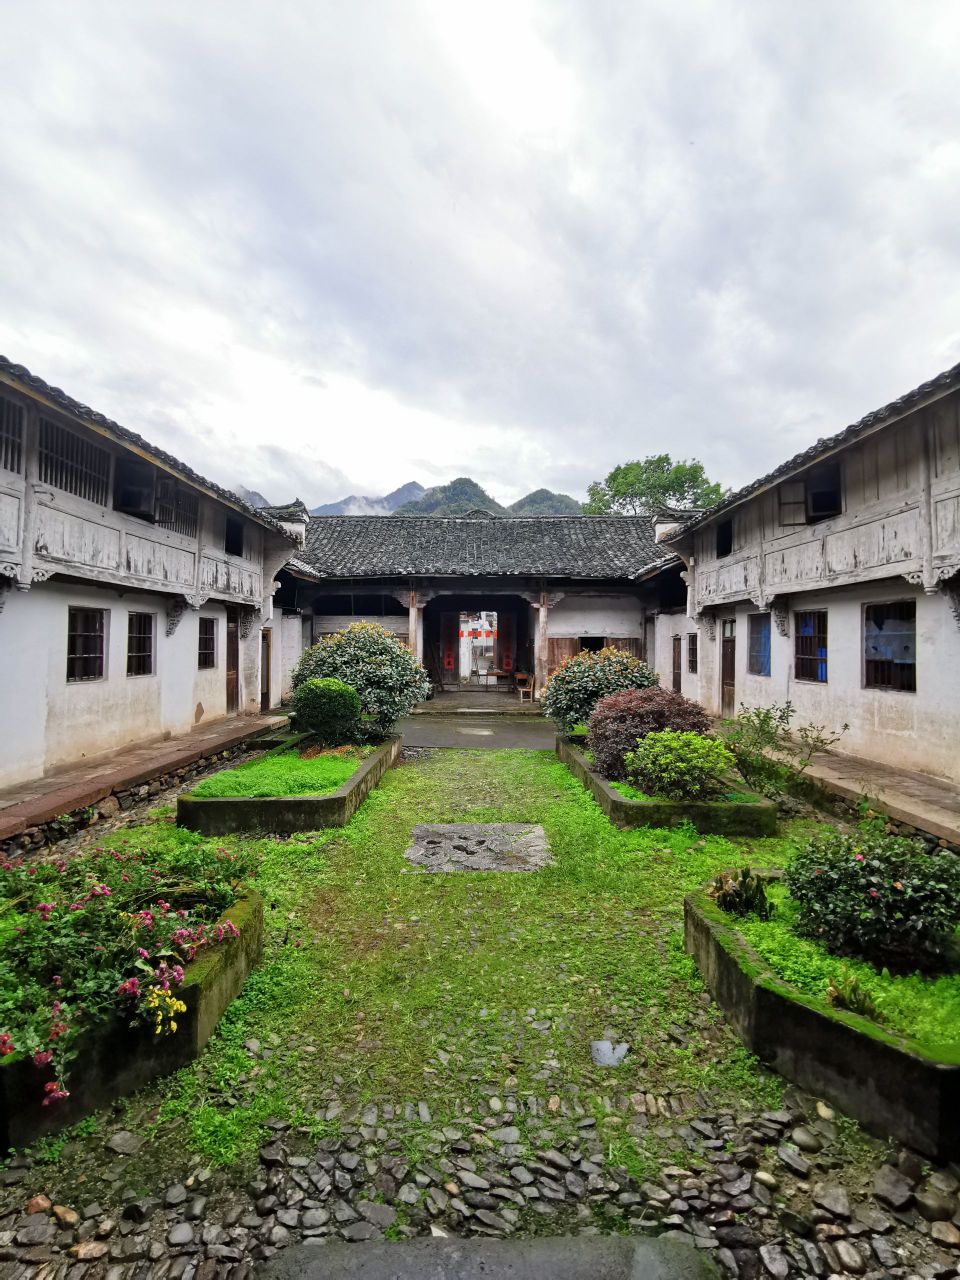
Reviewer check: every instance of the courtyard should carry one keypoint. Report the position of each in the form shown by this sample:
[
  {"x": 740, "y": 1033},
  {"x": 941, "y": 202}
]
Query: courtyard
[{"x": 427, "y": 1053}]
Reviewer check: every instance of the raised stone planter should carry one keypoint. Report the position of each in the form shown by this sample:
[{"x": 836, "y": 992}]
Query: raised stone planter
[
  {"x": 717, "y": 817},
  {"x": 115, "y": 1059},
  {"x": 885, "y": 1081},
  {"x": 221, "y": 815}
]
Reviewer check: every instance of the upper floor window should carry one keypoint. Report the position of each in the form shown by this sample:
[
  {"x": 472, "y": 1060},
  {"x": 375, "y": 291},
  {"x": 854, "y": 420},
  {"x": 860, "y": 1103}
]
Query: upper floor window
[
  {"x": 11, "y": 436},
  {"x": 724, "y": 537},
  {"x": 890, "y": 646},
  {"x": 86, "y": 644},
  {"x": 759, "y": 636},
  {"x": 810, "y": 646},
  {"x": 72, "y": 464},
  {"x": 233, "y": 536},
  {"x": 692, "y": 653},
  {"x": 133, "y": 487},
  {"x": 177, "y": 507},
  {"x": 141, "y": 630},
  {"x": 817, "y": 496}
]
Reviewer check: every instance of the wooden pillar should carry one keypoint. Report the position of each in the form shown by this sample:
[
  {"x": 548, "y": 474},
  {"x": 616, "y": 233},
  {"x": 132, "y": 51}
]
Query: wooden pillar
[
  {"x": 541, "y": 644},
  {"x": 414, "y": 631}
]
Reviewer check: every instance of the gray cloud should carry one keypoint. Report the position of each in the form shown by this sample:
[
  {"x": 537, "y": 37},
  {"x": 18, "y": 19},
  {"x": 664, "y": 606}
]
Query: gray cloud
[{"x": 326, "y": 248}]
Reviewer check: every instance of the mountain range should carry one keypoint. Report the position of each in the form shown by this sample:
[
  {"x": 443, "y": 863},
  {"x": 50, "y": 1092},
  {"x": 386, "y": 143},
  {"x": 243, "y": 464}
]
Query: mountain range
[{"x": 453, "y": 499}]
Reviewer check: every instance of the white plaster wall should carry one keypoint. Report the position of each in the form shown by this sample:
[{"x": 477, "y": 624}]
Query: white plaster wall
[
  {"x": 601, "y": 615},
  {"x": 910, "y": 730},
  {"x": 291, "y": 646},
  {"x": 51, "y": 722},
  {"x": 669, "y": 625}
]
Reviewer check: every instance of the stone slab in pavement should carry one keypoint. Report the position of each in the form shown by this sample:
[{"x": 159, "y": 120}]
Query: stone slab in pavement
[
  {"x": 490, "y": 733},
  {"x": 559, "y": 1257},
  {"x": 478, "y": 846}
]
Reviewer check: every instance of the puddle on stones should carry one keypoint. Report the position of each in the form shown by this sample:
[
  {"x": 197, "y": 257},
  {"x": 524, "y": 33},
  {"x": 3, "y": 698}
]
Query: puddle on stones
[{"x": 479, "y": 846}]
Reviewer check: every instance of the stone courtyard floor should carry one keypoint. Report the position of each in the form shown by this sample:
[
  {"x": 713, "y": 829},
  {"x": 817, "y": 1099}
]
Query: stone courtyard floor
[{"x": 414, "y": 1056}]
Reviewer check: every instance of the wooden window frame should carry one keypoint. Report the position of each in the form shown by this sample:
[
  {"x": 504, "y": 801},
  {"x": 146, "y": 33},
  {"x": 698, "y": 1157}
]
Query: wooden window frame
[
  {"x": 693, "y": 653},
  {"x": 141, "y": 643},
  {"x": 797, "y": 498},
  {"x": 810, "y": 657},
  {"x": 135, "y": 488},
  {"x": 177, "y": 507},
  {"x": 69, "y": 462},
  {"x": 889, "y": 674},
  {"x": 86, "y": 644},
  {"x": 12, "y": 419},
  {"x": 207, "y": 644},
  {"x": 234, "y": 535},
  {"x": 724, "y": 538},
  {"x": 755, "y": 652}
]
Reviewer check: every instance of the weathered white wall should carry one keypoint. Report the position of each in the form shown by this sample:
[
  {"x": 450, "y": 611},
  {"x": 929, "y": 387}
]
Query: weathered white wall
[
  {"x": 669, "y": 625},
  {"x": 54, "y": 722},
  {"x": 290, "y": 648},
  {"x": 910, "y": 730},
  {"x": 610, "y": 616}
]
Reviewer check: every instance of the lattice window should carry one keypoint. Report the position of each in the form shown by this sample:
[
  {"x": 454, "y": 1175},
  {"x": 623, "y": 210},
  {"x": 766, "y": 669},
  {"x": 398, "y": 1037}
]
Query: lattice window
[
  {"x": 890, "y": 646},
  {"x": 810, "y": 646},
  {"x": 692, "y": 653},
  {"x": 74, "y": 465},
  {"x": 140, "y": 632},
  {"x": 11, "y": 436},
  {"x": 177, "y": 507},
  {"x": 207, "y": 650},
  {"x": 86, "y": 644}
]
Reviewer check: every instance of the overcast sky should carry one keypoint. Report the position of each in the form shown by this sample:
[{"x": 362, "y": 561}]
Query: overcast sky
[{"x": 321, "y": 247}]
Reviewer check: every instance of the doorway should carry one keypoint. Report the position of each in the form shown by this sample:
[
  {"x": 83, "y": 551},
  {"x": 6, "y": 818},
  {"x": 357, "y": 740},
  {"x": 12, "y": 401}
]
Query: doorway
[
  {"x": 266, "y": 652},
  {"x": 233, "y": 660},
  {"x": 728, "y": 667},
  {"x": 677, "y": 663}
]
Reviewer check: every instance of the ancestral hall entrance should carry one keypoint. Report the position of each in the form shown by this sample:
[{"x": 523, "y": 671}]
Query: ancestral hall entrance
[{"x": 483, "y": 642}]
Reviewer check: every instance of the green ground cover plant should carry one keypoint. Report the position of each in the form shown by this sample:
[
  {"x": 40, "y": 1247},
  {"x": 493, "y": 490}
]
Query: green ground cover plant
[
  {"x": 103, "y": 932},
  {"x": 630, "y": 792},
  {"x": 405, "y": 986},
  {"x": 926, "y": 1009},
  {"x": 286, "y": 773}
]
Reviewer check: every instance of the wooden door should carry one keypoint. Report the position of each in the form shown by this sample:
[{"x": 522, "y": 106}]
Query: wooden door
[
  {"x": 266, "y": 651},
  {"x": 450, "y": 646},
  {"x": 506, "y": 642},
  {"x": 233, "y": 661},
  {"x": 560, "y": 648},
  {"x": 677, "y": 662},
  {"x": 728, "y": 667}
]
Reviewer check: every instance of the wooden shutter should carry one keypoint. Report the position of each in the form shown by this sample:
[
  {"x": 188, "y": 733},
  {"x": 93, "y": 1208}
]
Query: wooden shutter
[
  {"x": 793, "y": 503},
  {"x": 630, "y": 644},
  {"x": 558, "y": 648}
]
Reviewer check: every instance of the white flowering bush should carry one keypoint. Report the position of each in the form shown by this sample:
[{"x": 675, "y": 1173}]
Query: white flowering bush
[{"x": 387, "y": 677}]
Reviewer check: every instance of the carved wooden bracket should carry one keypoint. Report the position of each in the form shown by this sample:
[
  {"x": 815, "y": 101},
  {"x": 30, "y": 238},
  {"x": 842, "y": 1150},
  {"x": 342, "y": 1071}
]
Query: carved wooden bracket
[
  {"x": 247, "y": 618},
  {"x": 781, "y": 617},
  {"x": 176, "y": 608},
  {"x": 8, "y": 570},
  {"x": 709, "y": 621}
]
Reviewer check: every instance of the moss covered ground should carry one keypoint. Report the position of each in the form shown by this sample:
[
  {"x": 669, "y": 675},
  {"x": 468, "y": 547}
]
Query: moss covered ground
[{"x": 285, "y": 773}]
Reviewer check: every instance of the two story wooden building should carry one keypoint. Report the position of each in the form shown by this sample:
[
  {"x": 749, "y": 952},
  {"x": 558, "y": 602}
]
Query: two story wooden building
[
  {"x": 834, "y": 582},
  {"x": 136, "y": 596}
]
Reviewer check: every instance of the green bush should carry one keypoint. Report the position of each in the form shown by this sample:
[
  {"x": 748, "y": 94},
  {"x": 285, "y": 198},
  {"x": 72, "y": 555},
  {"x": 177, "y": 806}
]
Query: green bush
[
  {"x": 582, "y": 680},
  {"x": 680, "y": 766},
  {"x": 879, "y": 897},
  {"x": 619, "y": 719},
  {"x": 328, "y": 709},
  {"x": 386, "y": 676},
  {"x": 741, "y": 893}
]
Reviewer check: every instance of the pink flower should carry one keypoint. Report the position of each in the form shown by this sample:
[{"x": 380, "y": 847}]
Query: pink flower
[
  {"x": 56, "y": 980},
  {"x": 144, "y": 955},
  {"x": 129, "y": 988},
  {"x": 858, "y": 856},
  {"x": 42, "y": 1057},
  {"x": 873, "y": 893},
  {"x": 6, "y": 1044},
  {"x": 54, "y": 1094}
]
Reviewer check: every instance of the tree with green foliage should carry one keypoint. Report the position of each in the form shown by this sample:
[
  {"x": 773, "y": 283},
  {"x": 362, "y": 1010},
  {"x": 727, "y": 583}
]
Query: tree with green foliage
[{"x": 639, "y": 488}]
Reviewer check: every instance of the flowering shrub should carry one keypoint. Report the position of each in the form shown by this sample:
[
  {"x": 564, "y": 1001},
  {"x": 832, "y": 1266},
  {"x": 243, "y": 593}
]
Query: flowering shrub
[
  {"x": 329, "y": 709},
  {"x": 619, "y": 719},
  {"x": 387, "y": 677},
  {"x": 681, "y": 766},
  {"x": 104, "y": 931},
  {"x": 878, "y": 897},
  {"x": 582, "y": 680}
]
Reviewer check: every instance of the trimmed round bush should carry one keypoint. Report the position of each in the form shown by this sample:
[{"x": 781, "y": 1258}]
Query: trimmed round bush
[
  {"x": 329, "y": 709},
  {"x": 387, "y": 677},
  {"x": 582, "y": 680},
  {"x": 680, "y": 766},
  {"x": 878, "y": 897},
  {"x": 619, "y": 719}
]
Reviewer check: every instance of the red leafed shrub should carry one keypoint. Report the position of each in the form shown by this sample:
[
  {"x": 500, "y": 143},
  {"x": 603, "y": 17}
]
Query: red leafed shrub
[{"x": 619, "y": 719}]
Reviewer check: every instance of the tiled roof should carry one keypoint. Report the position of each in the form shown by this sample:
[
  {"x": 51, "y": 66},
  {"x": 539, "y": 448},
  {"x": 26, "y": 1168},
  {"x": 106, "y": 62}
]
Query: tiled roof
[
  {"x": 949, "y": 380},
  {"x": 470, "y": 546},
  {"x": 293, "y": 512},
  {"x": 123, "y": 435}
]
